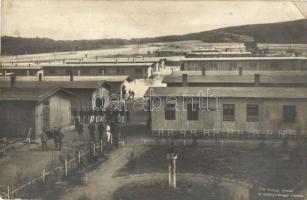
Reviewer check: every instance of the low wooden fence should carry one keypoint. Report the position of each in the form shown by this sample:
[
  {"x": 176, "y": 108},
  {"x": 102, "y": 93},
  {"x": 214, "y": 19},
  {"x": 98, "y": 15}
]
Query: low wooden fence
[
  {"x": 61, "y": 170},
  {"x": 230, "y": 134}
]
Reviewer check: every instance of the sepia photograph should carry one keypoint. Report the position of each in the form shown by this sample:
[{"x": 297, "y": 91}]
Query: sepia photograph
[{"x": 153, "y": 100}]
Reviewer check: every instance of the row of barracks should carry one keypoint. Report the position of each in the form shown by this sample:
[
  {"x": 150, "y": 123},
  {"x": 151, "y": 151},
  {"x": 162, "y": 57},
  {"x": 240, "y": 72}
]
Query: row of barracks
[
  {"x": 295, "y": 79},
  {"x": 261, "y": 103},
  {"x": 119, "y": 67},
  {"x": 211, "y": 54},
  {"x": 229, "y": 109},
  {"x": 247, "y": 63}
]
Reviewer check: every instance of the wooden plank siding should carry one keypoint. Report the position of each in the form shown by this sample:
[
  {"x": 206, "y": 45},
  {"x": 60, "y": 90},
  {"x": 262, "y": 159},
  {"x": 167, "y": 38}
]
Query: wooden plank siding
[
  {"x": 60, "y": 110},
  {"x": 270, "y": 116},
  {"x": 254, "y": 65},
  {"x": 131, "y": 71},
  {"x": 16, "y": 118}
]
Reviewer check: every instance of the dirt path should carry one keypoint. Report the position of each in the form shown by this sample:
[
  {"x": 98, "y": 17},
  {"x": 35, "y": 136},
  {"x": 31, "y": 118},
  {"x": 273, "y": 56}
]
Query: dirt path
[{"x": 101, "y": 182}]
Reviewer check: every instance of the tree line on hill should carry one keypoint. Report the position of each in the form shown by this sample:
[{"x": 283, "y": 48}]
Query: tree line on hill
[{"x": 283, "y": 32}]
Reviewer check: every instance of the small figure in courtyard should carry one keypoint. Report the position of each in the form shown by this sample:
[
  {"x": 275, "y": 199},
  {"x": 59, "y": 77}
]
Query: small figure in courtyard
[
  {"x": 91, "y": 128},
  {"x": 56, "y": 137},
  {"x": 101, "y": 131},
  {"x": 81, "y": 113},
  {"x": 132, "y": 94},
  {"x": 92, "y": 117},
  {"x": 122, "y": 114},
  {"x": 44, "y": 140},
  {"x": 127, "y": 115},
  {"x": 80, "y": 130},
  {"x": 60, "y": 138},
  {"x": 76, "y": 123},
  {"x": 124, "y": 92},
  {"x": 109, "y": 135}
]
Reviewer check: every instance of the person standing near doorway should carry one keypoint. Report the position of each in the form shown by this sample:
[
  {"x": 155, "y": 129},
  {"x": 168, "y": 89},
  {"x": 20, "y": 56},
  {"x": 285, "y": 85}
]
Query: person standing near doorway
[
  {"x": 44, "y": 140},
  {"x": 60, "y": 139}
]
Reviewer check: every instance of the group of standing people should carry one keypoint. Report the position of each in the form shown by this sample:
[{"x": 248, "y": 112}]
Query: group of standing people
[
  {"x": 108, "y": 115},
  {"x": 108, "y": 132}
]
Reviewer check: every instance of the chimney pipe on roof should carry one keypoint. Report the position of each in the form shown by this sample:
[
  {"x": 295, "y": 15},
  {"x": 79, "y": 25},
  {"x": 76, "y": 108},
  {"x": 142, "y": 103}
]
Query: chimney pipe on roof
[
  {"x": 203, "y": 71},
  {"x": 71, "y": 75},
  {"x": 240, "y": 71},
  {"x": 40, "y": 76},
  {"x": 257, "y": 80},
  {"x": 13, "y": 80},
  {"x": 184, "y": 80}
]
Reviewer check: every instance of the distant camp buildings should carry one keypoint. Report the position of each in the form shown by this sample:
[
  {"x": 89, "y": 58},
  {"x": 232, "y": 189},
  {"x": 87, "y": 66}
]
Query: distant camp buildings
[
  {"x": 115, "y": 67},
  {"x": 231, "y": 96},
  {"x": 247, "y": 63},
  {"x": 220, "y": 92}
]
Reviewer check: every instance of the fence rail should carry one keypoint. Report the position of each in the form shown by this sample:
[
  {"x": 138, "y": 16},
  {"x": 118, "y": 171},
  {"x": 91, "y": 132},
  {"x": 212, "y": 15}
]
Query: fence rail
[
  {"x": 73, "y": 163},
  {"x": 230, "y": 134}
]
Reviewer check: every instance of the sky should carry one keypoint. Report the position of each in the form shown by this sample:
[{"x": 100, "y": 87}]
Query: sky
[{"x": 92, "y": 19}]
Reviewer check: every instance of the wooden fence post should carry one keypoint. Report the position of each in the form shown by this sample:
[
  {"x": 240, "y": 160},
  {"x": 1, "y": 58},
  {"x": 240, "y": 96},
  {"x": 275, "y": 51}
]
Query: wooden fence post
[
  {"x": 66, "y": 172},
  {"x": 94, "y": 149},
  {"x": 79, "y": 157},
  {"x": 100, "y": 146},
  {"x": 8, "y": 192},
  {"x": 86, "y": 178},
  {"x": 43, "y": 175}
]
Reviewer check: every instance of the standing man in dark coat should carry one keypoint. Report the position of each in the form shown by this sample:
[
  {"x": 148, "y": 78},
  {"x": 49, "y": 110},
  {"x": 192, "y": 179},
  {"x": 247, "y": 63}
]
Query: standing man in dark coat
[
  {"x": 91, "y": 128},
  {"x": 60, "y": 138},
  {"x": 56, "y": 137},
  {"x": 44, "y": 140},
  {"x": 115, "y": 133},
  {"x": 101, "y": 131},
  {"x": 80, "y": 130}
]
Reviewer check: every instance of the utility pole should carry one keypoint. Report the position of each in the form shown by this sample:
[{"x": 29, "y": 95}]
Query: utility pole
[
  {"x": 172, "y": 157},
  {"x": 304, "y": 162}
]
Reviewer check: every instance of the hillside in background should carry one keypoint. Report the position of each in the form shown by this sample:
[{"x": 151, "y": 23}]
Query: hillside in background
[{"x": 283, "y": 32}]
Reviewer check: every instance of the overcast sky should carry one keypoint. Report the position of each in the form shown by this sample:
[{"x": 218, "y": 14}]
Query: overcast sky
[{"x": 85, "y": 19}]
